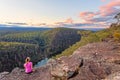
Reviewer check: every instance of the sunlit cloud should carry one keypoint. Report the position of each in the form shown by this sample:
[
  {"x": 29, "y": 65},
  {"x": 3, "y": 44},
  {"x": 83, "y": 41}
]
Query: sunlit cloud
[
  {"x": 104, "y": 15},
  {"x": 69, "y": 20},
  {"x": 99, "y": 19},
  {"x": 87, "y": 16},
  {"x": 52, "y": 15},
  {"x": 110, "y": 8}
]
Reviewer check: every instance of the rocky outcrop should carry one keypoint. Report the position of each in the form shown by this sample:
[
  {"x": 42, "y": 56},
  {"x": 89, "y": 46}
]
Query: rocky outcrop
[
  {"x": 115, "y": 76},
  {"x": 96, "y": 61},
  {"x": 3, "y": 74},
  {"x": 19, "y": 74}
]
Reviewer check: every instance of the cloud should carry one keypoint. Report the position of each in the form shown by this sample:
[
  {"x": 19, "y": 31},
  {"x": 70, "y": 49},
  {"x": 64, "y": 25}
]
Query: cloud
[
  {"x": 110, "y": 9},
  {"x": 69, "y": 20},
  {"x": 16, "y": 23},
  {"x": 104, "y": 15},
  {"x": 79, "y": 25},
  {"x": 87, "y": 16},
  {"x": 99, "y": 19}
]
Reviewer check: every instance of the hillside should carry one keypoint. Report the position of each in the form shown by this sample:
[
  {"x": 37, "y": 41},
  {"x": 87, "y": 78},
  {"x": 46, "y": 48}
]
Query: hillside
[
  {"x": 111, "y": 34},
  {"x": 59, "y": 39}
]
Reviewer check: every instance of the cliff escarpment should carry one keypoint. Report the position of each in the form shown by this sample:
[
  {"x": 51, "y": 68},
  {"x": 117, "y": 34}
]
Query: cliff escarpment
[{"x": 96, "y": 61}]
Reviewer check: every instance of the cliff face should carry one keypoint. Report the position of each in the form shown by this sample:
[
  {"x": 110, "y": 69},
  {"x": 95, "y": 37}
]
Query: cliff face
[{"x": 96, "y": 61}]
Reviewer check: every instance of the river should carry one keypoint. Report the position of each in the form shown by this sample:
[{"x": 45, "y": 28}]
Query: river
[{"x": 41, "y": 63}]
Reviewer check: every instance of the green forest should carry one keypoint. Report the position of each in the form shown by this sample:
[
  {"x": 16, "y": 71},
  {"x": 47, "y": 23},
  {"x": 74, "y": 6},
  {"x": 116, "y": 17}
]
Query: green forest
[{"x": 15, "y": 46}]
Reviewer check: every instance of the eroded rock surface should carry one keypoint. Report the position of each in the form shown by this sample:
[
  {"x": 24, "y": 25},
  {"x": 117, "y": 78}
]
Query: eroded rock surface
[{"x": 96, "y": 61}]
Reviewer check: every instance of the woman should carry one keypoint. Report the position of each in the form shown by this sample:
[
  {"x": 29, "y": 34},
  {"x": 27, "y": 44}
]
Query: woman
[{"x": 28, "y": 65}]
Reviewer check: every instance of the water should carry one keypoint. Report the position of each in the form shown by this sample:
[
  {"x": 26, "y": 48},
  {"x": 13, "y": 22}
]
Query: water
[{"x": 41, "y": 63}]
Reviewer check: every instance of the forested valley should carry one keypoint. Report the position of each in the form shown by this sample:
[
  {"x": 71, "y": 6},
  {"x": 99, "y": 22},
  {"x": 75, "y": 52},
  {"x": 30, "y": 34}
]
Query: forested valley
[{"x": 18, "y": 43}]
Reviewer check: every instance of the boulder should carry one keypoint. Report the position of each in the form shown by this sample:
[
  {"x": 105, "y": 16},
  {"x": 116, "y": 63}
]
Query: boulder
[
  {"x": 114, "y": 76},
  {"x": 3, "y": 74}
]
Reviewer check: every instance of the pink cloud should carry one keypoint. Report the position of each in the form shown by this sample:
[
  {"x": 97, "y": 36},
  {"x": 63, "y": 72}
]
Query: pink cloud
[
  {"x": 69, "y": 20},
  {"x": 110, "y": 8},
  {"x": 100, "y": 18},
  {"x": 104, "y": 14},
  {"x": 87, "y": 16}
]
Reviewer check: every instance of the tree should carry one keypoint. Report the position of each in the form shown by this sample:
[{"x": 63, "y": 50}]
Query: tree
[{"x": 117, "y": 17}]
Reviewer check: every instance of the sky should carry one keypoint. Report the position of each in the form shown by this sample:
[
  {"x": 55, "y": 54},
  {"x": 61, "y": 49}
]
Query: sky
[{"x": 59, "y": 13}]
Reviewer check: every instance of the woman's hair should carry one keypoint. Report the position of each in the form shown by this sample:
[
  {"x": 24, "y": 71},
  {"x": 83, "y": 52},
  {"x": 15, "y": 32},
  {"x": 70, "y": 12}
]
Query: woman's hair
[{"x": 27, "y": 59}]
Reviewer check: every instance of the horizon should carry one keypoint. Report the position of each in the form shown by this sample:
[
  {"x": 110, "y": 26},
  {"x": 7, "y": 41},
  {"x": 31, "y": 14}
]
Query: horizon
[
  {"x": 39, "y": 28},
  {"x": 62, "y": 13}
]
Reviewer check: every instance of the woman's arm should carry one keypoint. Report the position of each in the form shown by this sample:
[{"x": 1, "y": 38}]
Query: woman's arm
[
  {"x": 32, "y": 66},
  {"x": 24, "y": 65}
]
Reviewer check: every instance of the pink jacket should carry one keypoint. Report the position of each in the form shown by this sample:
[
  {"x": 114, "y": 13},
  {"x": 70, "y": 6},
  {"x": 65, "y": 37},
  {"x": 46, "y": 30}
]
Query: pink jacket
[{"x": 28, "y": 67}]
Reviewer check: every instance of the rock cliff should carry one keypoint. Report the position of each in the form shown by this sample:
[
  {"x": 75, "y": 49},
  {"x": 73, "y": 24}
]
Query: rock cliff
[{"x": 95, "y": 61}]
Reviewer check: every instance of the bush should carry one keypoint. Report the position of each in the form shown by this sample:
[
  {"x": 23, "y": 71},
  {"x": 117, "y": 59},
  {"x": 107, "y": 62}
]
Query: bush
[{"x": 116, "y": 36}]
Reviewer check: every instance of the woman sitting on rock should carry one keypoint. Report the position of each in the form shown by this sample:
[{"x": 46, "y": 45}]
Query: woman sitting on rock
[{"x": 28, "y": 66}]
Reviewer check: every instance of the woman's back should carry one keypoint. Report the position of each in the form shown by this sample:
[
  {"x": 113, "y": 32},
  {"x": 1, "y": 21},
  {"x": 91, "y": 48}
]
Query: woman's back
[{"x": 28, "y": 67}]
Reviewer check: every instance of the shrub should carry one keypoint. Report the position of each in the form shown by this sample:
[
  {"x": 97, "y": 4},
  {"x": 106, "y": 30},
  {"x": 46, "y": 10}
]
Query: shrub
[{"x": 116, "y": 36}]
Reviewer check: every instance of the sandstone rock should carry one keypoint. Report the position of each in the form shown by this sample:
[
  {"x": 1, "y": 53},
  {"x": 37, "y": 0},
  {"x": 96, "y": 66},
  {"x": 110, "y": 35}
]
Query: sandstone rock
[
  {"x": 3, "y": 74},
  {"x": 115, "y": 76},
  {"x": 96, "y": 61}
]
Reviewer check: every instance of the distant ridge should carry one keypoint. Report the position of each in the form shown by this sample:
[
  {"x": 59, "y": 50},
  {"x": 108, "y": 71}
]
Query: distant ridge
[
  {"x": 19, "y": 28},
  {"x": 92, "y": 29},
  {"x": 32, "y": 28}
]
